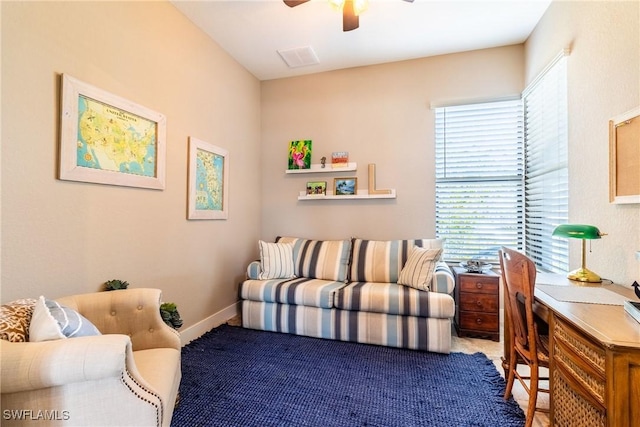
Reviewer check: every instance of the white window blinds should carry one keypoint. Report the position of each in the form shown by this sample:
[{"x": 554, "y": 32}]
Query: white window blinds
[
  {"x": 479, "y": 179},
  {"x": 546, "y": 171}
]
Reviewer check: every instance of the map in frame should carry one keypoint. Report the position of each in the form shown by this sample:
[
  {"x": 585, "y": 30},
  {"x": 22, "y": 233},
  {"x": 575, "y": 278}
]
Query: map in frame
[{"x": 106, "y": 139}]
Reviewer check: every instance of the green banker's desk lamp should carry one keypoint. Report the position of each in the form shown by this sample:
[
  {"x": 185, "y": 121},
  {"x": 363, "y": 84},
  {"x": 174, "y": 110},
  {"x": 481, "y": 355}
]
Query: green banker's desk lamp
[{"x": 584, "y": 232}]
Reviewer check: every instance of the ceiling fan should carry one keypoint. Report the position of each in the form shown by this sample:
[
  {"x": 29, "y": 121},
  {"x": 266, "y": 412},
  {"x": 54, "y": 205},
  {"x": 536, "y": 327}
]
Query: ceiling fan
[{"x": 351, "y": 9}]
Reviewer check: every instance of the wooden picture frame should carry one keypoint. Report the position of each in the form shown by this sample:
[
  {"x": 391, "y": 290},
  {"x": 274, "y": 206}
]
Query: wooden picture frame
[
  {"x": 345, "y": 186},
  {"x": 208, "y": 181},
  {"x": 317, "y": 188},
  {"x": 624, "y": 158},
  {"x": 106, "y": 139}
]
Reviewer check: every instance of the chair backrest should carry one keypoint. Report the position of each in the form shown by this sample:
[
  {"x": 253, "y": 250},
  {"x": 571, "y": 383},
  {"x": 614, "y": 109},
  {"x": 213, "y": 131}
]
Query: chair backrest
[{"x": 519, "y": 278}]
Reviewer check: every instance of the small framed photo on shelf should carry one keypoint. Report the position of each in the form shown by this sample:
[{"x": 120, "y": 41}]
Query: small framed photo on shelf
[
  {"x": 345, "y": 186},
  {"x": 317, "y": 188}
]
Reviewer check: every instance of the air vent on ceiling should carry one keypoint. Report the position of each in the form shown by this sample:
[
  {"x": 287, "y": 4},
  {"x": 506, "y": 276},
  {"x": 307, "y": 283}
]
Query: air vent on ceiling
[{"x": 299, "y": 57}]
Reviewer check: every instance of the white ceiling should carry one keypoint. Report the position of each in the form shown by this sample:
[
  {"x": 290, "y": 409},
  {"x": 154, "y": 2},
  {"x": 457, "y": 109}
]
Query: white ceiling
[{"x": 390, "y": 30}]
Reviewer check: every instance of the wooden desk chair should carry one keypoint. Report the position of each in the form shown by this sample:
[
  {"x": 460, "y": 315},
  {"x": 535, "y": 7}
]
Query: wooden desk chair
[{"x": 528, "y": 346}]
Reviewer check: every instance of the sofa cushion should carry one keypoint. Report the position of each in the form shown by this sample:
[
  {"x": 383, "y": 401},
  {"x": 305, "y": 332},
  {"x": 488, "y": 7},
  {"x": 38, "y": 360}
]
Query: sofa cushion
[
  {"x": 382, "y": 261},
  {"x": 52, "y": 321},
  {"x": 15, "y": 317},
  {"x": 276, "y": 260},
  {"x": 297, "y": 291},
  {"x": 418, "y": 270},
  {"x": 320, "y": 259},
  {"x": 391, "y": 298}
]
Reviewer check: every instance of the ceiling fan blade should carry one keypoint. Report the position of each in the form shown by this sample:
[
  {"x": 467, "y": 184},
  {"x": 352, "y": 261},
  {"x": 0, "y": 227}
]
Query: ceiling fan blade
[
  {"x": 294, "y": 3},
  {"x": 350, "y": 20}
]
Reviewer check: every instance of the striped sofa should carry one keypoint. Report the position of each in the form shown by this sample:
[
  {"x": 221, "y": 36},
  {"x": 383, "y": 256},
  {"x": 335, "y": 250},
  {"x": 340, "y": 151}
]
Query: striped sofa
[{"x": 347, "y": 290}]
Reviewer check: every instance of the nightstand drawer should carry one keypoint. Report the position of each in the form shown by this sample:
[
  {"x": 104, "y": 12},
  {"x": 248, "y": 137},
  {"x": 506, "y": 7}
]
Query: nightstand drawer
[
  {"x": 479, "y": 321},
  {"x": 479, "y": 302},
  {"x": 479, "y": 284}
]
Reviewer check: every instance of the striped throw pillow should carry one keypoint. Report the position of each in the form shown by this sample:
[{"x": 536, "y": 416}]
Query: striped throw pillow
[
  {"x": 418, "y": 271},
  {"x": 381, "y": 261},
  {"x": 276, "y": 260},
  {"x": 53, "y": 321}
]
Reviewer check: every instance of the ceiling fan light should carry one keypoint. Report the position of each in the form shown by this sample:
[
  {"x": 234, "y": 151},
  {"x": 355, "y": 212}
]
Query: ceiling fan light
[
  {"x": 360, "y": 6},
  {"x": 336, "y": 4}
]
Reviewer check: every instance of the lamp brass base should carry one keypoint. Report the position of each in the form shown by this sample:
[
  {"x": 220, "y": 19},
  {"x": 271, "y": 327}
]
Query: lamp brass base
[{"x": 584, "y": 275}]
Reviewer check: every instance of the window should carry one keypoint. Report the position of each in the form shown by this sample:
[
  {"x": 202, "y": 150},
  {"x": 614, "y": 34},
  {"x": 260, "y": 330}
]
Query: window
[
  {"x": 546, "y": 171},
  {"x": 479, "y": 179},
  {"x": 502, "y": 175}
]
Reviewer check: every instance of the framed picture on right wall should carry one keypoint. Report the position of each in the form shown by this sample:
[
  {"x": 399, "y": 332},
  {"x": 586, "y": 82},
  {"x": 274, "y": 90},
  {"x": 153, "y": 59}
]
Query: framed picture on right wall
[{"x": 624, "y": 157}]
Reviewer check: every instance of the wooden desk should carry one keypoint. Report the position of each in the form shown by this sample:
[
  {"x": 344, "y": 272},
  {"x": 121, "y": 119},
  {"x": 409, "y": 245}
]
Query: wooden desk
[{"x": 595, "y": 358}]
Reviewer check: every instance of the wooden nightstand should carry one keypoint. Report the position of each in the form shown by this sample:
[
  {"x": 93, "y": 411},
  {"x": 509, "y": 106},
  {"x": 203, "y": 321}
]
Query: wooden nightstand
[{"x": 477, "y": 304}]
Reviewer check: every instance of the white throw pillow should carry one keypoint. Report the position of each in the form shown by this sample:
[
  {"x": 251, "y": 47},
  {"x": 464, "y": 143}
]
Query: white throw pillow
[
  {"x": 276, "y": 260},
  {"x": 418, "y": 270},
  {"x": 52, "y": 321}
]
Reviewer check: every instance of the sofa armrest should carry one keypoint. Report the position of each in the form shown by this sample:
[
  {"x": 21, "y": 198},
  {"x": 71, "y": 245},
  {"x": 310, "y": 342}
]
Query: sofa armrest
[
  {"x": 253, "y": 270},
  {"x": 443, "y": 280},
  {"x": 38, "y": 365},
  {"x": 132, "y": 312}
]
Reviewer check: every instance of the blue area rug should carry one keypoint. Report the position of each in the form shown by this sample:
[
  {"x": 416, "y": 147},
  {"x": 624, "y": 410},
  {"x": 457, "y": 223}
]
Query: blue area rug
[{"x": 244, "y": 378}]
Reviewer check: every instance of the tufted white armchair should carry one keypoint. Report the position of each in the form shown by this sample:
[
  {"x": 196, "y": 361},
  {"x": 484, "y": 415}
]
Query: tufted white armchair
[{"x": 129, "y": 376}]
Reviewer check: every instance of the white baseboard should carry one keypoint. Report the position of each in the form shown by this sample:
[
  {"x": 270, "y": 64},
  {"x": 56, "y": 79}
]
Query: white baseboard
[{"x": 205, "y": 325}]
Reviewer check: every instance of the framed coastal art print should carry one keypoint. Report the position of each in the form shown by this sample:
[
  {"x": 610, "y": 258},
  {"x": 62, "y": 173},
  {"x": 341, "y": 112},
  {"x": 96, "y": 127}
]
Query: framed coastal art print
[
  {"x": 208, "y": 181},
  {"x": 345, "y": 186},
  {"x": 106, "y": 139}
]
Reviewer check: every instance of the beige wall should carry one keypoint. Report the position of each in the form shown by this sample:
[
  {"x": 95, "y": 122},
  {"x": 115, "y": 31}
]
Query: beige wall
[
  {"x": 379, "y": 114},
  {"x": 61, "y": 237},
  {"x": 603, "y": 81},
  {"x": 65, "y": 237}
]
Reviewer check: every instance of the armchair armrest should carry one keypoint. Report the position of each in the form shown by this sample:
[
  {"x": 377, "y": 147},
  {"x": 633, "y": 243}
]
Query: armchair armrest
[
  {"x": 132, "y": 312},
  {"x": 38, "y": 365},
  {"x": 443, "y": 280},
  {"x": 253, "y": 270}
]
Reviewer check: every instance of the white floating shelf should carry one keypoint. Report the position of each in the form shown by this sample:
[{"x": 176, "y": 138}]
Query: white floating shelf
[
  {"x": 362, "y": 194},
  {"x": 317, "y": 168}
]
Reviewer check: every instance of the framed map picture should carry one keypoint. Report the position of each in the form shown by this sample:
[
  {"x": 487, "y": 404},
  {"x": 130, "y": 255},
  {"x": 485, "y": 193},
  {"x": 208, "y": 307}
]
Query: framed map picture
[
  {"x": 208, "y": 181},
  {"x": 106, "y": 139}
]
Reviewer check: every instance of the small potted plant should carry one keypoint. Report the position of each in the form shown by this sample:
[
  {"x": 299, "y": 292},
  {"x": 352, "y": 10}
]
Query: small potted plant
[
  {"x": 115, "y": 284},
  {"x": 170, "y": 315}
]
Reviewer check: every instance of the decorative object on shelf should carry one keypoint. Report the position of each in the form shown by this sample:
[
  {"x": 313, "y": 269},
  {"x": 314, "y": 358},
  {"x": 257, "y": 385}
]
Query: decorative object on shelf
[
  {"x": 115, "y": 284},
  {"x": 106, "y": 139},
  {"x": 475, "y": 266},
  {"x": 345, "y": 186},
  {"x": 624, "y": 157},
  {"x": 323, "y": 161},
  {"x": 208, "y": 181},
  {"x": 372, "y": 181},
  {"x": 170, "y": 315},
  {"x": 584, "y": 232},
  {"x": 300, "y": 154},
  {"x": 317, "y": 188},
  {"x": 339, "y": 159}
]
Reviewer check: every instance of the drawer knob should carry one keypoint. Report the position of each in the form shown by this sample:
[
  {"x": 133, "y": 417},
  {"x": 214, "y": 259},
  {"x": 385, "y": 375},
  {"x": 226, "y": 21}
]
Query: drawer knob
[
  {"x": 479, "y": 321},
  {"x": 478, "y": 285},
  {"x": 479, "y": 303}
]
